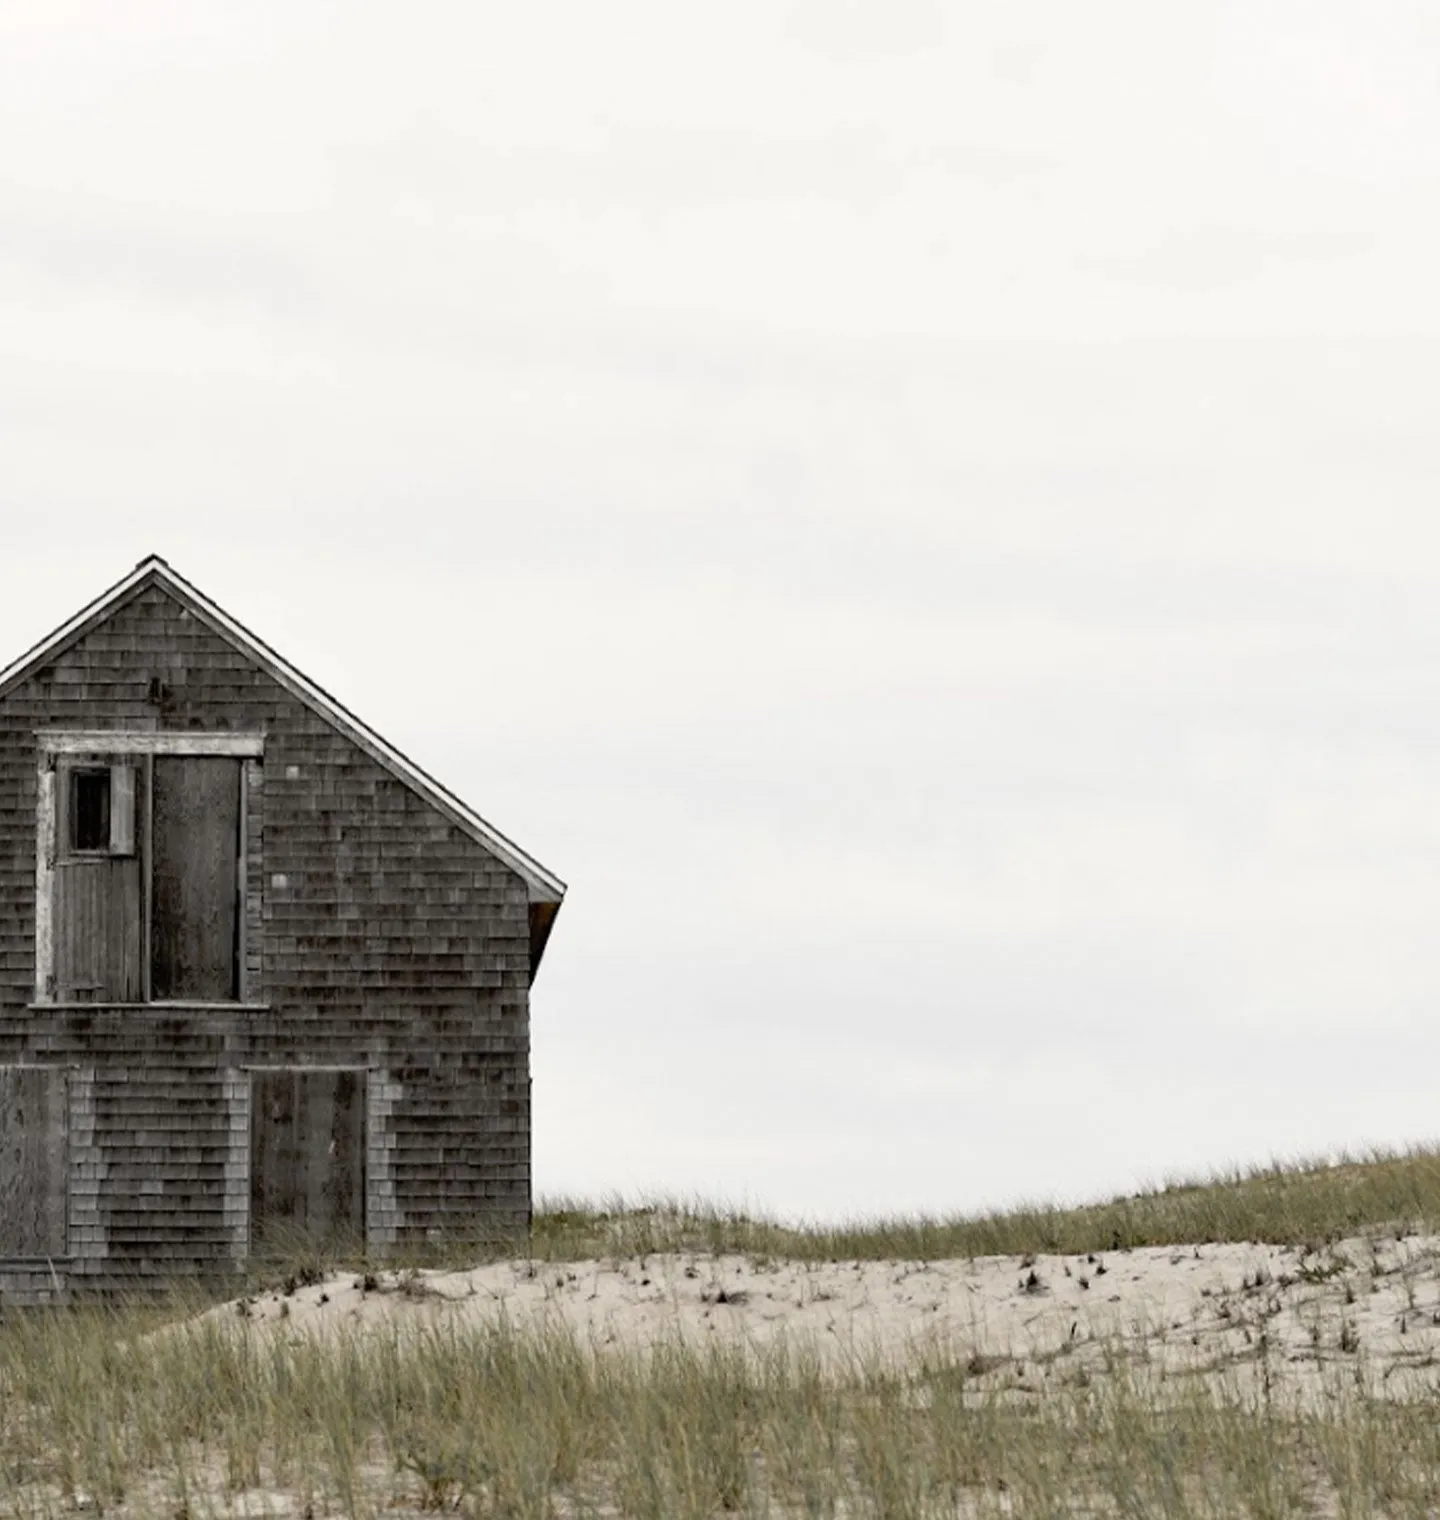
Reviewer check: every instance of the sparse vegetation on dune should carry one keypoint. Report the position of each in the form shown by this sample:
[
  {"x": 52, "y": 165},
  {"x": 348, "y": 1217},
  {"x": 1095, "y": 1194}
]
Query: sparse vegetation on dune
[
  {"x": 1284, "y": 1204},
  {"x": 153, "y": 1410},
  {"x": 498, "y": 1423}
]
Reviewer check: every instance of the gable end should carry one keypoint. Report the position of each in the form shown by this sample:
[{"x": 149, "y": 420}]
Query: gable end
[{"x": 544, "y": 889}]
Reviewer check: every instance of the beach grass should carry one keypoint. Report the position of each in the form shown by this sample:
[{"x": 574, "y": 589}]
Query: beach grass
[
  {"x": 493, "y": 1421},
  {"x": 1296, "y": 1203},
  {"x": 146, "y": 1409}
]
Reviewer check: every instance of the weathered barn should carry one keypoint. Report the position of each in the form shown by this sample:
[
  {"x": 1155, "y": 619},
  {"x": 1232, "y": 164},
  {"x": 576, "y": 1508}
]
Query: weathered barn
[{"x": 259, "y": 974}]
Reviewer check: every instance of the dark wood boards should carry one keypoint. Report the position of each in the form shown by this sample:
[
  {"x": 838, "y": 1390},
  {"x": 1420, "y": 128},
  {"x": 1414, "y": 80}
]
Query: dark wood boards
[
  {"x": 195, "y": 815},
  {"x": 307, "y": 1155},
  {"x": 98, "y": 930},
  {"x": 33, "y": 1161}
]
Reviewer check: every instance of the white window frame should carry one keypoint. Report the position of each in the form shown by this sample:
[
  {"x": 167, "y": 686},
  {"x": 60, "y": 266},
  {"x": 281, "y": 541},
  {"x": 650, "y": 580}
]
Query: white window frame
[{"x": 51, "y": 745}]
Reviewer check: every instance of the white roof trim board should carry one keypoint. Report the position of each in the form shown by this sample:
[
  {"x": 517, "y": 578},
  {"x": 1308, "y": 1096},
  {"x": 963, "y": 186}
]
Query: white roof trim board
[{"x": 543, "y": 885}]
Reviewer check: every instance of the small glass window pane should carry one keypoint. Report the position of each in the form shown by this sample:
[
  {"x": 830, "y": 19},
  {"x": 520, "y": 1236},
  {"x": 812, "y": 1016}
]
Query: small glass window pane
[{"x": 90, "y": 810}]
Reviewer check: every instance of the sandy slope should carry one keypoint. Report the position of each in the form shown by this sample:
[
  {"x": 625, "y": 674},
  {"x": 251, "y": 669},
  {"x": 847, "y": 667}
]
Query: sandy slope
[{"x": 1371, "y": 1308}]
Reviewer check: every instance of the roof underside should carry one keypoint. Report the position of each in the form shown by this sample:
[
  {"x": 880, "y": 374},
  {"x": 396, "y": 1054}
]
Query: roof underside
[{"x": 545, "y": 889}]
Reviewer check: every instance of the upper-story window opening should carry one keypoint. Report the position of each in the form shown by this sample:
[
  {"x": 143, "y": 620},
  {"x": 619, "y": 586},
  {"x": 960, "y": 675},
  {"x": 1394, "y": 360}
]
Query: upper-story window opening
[
  {"x": 90, "y": 810},
  {"x": 142, "y": 868}
]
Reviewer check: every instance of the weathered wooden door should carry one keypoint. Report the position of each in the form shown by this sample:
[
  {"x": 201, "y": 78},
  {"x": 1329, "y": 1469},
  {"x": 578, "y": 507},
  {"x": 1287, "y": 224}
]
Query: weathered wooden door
[
  {"x": 34, "y": 1161},
  {"x": 99, "y": 886},
  {"x": 307, "y": 1155},
  {"x": 195, "y": 844}
]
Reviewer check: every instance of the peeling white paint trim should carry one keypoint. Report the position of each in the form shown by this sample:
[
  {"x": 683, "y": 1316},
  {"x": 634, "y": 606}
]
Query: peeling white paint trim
[
  {"x": 119, "y": 741},
  {"x": 44, "y": 880}
]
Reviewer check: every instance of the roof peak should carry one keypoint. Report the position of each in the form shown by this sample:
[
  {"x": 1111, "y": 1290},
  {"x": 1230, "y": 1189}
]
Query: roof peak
[{"x": 543, "y": 885}]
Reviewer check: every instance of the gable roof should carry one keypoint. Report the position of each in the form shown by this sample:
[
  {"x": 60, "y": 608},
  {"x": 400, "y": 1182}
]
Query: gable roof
[{"x": 542, "y": 886}]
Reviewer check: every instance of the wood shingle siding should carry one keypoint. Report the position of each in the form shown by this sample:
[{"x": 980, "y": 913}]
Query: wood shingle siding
[{"x": 367, "y": 931}]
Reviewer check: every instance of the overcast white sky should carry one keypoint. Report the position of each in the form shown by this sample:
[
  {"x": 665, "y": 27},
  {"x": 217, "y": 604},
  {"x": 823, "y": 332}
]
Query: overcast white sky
[{"x": 925, "y": 514}]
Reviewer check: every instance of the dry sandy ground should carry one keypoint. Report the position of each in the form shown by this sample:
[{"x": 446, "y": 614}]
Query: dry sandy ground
[
  {"x": 1361, "y": 1308},
  {"x": 1365, "y": 1312}
]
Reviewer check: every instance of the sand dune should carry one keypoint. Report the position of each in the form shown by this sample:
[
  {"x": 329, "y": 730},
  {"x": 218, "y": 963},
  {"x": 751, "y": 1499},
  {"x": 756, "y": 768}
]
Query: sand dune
[{"x": 1362, "y": 1307}]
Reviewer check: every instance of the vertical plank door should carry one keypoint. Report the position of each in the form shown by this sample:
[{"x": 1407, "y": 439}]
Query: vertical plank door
[
  {"x": 194, "y": 903},
  {"x": 307, "y": 1155},
  {"x": 97, "y": 904},
  {"x": 34, "y": 1161}
]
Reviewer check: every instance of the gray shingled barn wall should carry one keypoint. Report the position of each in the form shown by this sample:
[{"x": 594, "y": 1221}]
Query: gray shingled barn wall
[{"x": 379, "y": 936}]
